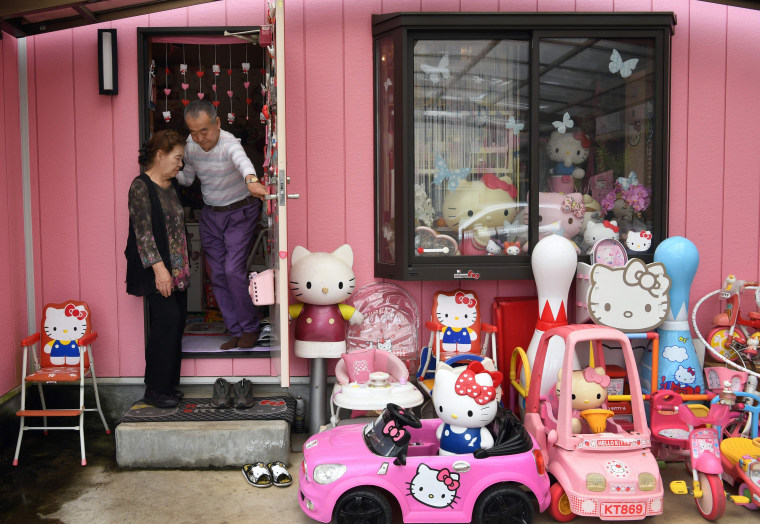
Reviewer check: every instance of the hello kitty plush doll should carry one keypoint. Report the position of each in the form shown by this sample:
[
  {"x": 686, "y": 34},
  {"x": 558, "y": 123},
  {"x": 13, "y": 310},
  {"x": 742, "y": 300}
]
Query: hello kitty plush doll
[
  {"x": 568, "y": 150},
  {"x": 64, "y": 326},
  {"x": 458, "y": 313},
  {"x": 466, "y": 400},
  {"x": 589, "y": 390},
  {"x": 595, "y": 232},
  {"x": 477, "y": 209},
  {"x": 559, "y": 214},
  {"x": 322, "y": 282}
]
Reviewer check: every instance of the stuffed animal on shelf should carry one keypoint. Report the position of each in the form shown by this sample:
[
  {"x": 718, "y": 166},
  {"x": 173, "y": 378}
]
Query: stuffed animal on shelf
[
  {"x": 466, "y": 400},
  {"x": 559, "y": 214},
  {"x": 589, "y": 389},
  {"x": 568, "y": 151},
  {"x": 596, "y": 232},
  {"x": 476, "y": 210},
  {"x": 321, "y": 282}
]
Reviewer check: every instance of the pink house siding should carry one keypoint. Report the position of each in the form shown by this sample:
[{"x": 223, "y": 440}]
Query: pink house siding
[{"x": 83, "y": 148}]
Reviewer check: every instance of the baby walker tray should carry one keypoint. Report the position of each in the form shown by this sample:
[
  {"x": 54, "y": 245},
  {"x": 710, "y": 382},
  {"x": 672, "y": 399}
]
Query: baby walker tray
[{"x": 376, "y": 393}]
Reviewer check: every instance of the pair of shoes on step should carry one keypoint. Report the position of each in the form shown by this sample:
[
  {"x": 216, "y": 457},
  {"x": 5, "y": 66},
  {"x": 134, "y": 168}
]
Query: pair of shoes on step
[
  {"x": 264, "y": 475},
  {"x": 245, "y": 341},
  {"x": 226, "y": 395},
  {"x": 160, "y": 400}
]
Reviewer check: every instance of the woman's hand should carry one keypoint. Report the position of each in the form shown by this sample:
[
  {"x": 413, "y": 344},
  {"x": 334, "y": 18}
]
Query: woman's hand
[{"x": 163, "y": 279}]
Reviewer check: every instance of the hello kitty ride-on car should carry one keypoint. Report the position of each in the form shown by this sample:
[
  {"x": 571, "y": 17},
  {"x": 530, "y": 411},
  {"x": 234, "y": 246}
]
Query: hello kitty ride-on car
[
  {"x": 605, "y": 471},
  {"x": 353, "y": 473}
]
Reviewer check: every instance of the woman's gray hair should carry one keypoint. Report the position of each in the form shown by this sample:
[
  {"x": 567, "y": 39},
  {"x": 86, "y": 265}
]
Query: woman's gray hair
[{"x": 196, "y": 107}]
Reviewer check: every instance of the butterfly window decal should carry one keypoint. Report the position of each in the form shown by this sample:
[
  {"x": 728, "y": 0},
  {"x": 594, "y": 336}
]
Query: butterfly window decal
[
  {"x": 435, "y": 73},
  {"x": 563, "y": 125},
  {"x": 444, "y": 173},
  {"x": 514, "y": 125},
  {"x": 625, "y": 68}
]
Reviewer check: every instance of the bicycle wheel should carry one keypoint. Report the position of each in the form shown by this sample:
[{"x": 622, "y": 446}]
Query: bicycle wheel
[
  {"x": 712, "y": 503},
  {"x": 721, "y": 342}
]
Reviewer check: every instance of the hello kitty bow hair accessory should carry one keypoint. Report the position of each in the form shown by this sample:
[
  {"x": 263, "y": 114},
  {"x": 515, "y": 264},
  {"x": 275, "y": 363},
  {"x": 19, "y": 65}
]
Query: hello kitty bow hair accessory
[
  {"x": 583, "y": 138},
  {"x": 77, "y": 312},
  {"x": 468, "y": 386},
  {"x": 461, "y": 298},
  {"x": 610, "y": 225},
  {"x": 393, "y": 432},
  {"x": 445, "y": 476},
  {"x": 591, "y": 375},
  {"x": 650, "y": 277},
  {"x": 569, "y": 205}
]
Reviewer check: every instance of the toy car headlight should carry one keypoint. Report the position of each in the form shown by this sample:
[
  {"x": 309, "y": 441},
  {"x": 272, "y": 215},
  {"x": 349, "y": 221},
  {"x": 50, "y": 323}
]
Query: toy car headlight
[
  {"x": 647, "y": 482},
  {"x": 595, "y": 482},
  {"x": 327, "y": 473}
]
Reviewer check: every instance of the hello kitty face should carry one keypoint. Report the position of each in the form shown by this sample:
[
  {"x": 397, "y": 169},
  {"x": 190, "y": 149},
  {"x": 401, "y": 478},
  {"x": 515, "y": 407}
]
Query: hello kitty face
[
  {"x": 589, "y": 388},
  {"x": 595, "y": 232},
  {"x": 458, "y": 311},
  {"x": 68, "y": 323},
  {"x": 685, "y": 376},
  {"x": 568, "y": 148},
  {"x": 436, "y": 488},
  {"x": 384, "y": 344},
  {"x": 466, "y": 397},
  {"x": 322, "y": 278},
  {"x": 639, "y": 240},
  {"x": 560, "y": 214},
  {"x": 493, "y": 247},
  {"x": 633, "y": 298}
]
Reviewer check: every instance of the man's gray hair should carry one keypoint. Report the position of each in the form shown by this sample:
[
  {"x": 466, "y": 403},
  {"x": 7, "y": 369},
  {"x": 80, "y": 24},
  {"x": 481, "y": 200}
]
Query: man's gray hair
[{"x": 196, "y": 107}]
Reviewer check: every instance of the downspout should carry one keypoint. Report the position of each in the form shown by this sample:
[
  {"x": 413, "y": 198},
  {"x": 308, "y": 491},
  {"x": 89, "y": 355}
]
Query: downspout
[{"x": 26, "y": 191}]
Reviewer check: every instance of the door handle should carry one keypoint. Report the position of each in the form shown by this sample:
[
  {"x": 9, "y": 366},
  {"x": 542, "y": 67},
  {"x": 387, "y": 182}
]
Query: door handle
[
  {"x": 460, "y": 466},
  {"x": 294, "y": 196}
]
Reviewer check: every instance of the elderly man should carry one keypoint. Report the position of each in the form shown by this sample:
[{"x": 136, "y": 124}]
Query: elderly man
[{"x": 232, "y": 194}]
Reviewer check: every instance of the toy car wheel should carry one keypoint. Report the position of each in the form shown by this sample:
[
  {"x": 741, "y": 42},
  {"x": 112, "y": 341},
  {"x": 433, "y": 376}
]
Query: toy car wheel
[
  {"x": 559, "y": 508},
  {"x": 500, "y": 503},
  {"x": 712, "y": 503},
  {"x": 744, "y": 490},
  {"x": 363, "y": 505}
]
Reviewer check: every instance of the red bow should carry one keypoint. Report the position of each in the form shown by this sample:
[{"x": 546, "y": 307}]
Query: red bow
[
  {"x": 466, "y": 384},
  {"x": 445, "y": 476},
  {"x": 646, "y": 235},
  {"x": 493, "y": 182},
  {"x": 610, "y": 225},
  {"x": 72, "y": 311},
  {"x": 583, "y": 137},
  {"x": 461, "y": 298}
]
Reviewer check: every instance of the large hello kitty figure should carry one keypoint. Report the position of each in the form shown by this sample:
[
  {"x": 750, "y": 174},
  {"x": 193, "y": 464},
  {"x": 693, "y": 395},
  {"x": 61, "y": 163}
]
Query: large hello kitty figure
[
  {"x": 568, "y": 151},
  {"x": 466, "y": 401},
  {"x": 458, "y": 313},
  {"x": 322, "y": 282},
  {"x": 64, "y": 326}
]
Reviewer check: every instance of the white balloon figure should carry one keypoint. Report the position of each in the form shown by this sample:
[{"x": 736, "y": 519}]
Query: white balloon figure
[{"x": 554, "y": 263}]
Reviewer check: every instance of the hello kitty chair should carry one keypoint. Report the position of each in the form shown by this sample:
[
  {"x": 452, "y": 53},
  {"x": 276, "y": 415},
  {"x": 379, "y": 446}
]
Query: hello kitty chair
[
  {"x": 457, "y": 336},
  {"x": 60, "y": 353}
]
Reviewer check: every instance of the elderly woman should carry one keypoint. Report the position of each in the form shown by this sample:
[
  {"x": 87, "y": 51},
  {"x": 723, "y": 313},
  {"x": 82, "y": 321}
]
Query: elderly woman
[{"x": 157, "y": 262}]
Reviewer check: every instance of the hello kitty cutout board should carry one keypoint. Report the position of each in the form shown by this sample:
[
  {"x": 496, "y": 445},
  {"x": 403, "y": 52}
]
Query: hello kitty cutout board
[
  {"x": 63, "y": 325},
  {"x": 607, "y": 251}
]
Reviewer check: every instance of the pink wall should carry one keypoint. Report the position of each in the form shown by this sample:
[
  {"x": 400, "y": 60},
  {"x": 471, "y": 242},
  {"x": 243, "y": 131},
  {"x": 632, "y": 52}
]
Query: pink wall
[
  {"x": 84, "y": 145},
  {"x": 13, "y": 323}
]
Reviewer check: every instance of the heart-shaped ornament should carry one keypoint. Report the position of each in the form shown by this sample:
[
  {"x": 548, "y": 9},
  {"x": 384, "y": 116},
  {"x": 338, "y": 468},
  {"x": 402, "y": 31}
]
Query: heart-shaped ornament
[
  {"x": 185, "y": 86},
  {"x": 246, "y": 84},
  {"x": 201, "y": 95},
  {"x": 429, "y": 243},
  {"x": 185, "y": 102},
  {"x": 200, "y": 73},
  {"x": 248, "y": 101},
  {"x": 216, "y": 103},
  {"x": 167, "y": 70},
  {"x": 229, "y": 72},
  {"x": 167, "y": 91},
  {"x": 229, "y": 94},
  {"x": 213, "y": 86}
]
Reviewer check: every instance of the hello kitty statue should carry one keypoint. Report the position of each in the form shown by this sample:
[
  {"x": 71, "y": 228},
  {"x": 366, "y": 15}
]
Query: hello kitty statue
[
  {"x": 476, "y": 210},
  {"x": 322, "y": 282},
  {"x": 589, "y": 389},
  {"x": 466, "y": 400},
  {"x": 64, "y": 326},
  {"x": 459, "y": 314}
]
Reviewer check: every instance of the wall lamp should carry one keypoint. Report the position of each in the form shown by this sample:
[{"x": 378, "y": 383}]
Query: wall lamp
[{"x": 108, "y": 63}]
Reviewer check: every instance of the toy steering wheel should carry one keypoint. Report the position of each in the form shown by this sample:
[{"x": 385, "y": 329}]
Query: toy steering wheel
[{"x": 403, "y": 416}]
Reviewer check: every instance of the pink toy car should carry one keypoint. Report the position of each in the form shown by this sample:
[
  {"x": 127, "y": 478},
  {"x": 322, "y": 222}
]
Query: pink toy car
[
  {"x": 353, "y": 472},
  {"x": 604, "y": 471}
]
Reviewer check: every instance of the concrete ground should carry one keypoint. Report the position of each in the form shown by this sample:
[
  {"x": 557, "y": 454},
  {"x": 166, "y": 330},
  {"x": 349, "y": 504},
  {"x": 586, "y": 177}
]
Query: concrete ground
[{"x": 49, "y": 485}]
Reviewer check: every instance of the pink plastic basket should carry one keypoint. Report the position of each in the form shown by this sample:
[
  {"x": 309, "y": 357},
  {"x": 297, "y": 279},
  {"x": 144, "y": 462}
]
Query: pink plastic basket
[{"x": 261, "y": 287}]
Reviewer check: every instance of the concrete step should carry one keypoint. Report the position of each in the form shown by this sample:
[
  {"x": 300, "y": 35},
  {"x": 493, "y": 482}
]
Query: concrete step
[{"x": 201, "y": 444}]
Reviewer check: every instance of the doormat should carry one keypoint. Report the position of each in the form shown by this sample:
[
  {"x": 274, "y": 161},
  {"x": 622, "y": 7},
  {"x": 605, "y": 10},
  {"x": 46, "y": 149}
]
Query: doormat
[{"x": 201, "y": 410}]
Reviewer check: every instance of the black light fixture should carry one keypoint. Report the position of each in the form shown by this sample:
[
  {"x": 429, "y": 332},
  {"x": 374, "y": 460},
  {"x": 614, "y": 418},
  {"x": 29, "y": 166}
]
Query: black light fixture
[{"x": 108, "y": 63}]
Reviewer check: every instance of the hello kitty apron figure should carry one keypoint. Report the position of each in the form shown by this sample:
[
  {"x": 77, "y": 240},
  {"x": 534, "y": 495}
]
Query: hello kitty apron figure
[
  {"x": 458, "y": 313},
  {"x": 466, "y": 400}
]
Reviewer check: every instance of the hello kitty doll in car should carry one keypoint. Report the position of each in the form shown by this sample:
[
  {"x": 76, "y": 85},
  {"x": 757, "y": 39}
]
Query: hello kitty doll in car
[{"x": 466, "y": 400}]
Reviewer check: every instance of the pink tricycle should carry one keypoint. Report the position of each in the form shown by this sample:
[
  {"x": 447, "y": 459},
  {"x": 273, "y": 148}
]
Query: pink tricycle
[
  {"x": 602, "y": 470},
  {"x": 352, "y": 473}
]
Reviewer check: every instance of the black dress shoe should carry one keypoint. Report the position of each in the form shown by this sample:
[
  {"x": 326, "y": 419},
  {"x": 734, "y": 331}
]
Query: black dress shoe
[
  {"x": 160, "y": 400},
  {"x": 177, "y": 393}
]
